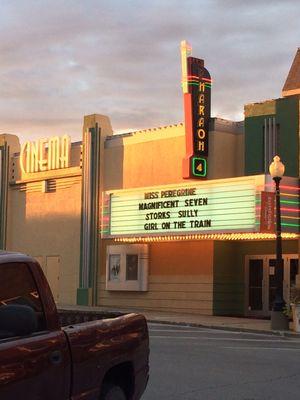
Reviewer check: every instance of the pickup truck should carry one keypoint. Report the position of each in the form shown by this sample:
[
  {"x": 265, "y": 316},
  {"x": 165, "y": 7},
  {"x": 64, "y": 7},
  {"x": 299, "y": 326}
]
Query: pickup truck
[{"x": 104, "y": 359}]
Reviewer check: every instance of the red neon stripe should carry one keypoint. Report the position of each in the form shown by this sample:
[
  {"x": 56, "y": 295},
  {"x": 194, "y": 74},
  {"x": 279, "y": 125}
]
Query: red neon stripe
[
  {"x": 290, "y": 209},
  {"x": 197, "y": 77},
  {"x": 285, "y": 187}
]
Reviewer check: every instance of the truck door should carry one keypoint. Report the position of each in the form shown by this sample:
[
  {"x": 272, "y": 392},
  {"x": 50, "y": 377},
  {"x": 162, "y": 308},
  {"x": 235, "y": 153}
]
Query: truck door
[{"x": 34, "y": 366}]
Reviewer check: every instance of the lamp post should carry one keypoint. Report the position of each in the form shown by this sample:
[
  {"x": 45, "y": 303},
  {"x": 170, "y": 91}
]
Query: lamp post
[{"x": 278, "y": 319}]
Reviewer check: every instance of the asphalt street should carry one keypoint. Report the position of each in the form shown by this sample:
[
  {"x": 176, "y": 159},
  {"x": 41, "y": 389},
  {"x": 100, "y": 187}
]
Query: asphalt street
[{"x": 190, "y": 363}]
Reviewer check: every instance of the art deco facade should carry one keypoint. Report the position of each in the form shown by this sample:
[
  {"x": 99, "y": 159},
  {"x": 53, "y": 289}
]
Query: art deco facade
[{"x": 113, "y": 221}]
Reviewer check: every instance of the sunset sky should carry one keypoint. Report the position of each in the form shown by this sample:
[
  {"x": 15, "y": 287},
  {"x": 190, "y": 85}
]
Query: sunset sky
[{"x": 61, "y": 60}]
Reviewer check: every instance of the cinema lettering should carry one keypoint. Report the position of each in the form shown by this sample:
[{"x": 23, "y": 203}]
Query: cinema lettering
[{"x": 45, "y": 154}]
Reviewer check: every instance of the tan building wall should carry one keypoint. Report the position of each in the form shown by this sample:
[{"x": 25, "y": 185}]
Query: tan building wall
[
  {"x": 226, "y": 151},
  {"x": 154, "y": 156},
  {"x": 180, "y": 279},
  {"x": 180, "y": 274},
  {"x": 44, "y": 216}
]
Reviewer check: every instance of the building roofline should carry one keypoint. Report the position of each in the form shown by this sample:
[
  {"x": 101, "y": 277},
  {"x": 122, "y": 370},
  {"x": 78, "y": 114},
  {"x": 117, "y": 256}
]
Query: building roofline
[{"x": 215, "y": 123}]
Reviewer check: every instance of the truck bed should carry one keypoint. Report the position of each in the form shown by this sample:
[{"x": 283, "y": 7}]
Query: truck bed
[
  {"x": 75, "y": 316},
  {"x": 118, "y": 341}
]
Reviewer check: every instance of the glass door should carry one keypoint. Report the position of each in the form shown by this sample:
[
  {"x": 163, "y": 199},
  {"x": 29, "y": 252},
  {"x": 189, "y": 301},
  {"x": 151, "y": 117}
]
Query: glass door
[
  {"x": 271, "y": 284},
  {"x": 290, "y": 276},
  {"x": 261, "y": 284},
  {"x": 255, "y": 285}
]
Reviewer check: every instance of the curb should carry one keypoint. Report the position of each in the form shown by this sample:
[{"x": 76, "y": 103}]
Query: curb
[
  {"x": 288, "y": 334},
  {"x": 151, "y": 319}
]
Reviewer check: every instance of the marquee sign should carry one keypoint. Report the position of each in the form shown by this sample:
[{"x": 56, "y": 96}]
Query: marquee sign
[
  {"x": 45, "y": 154},
  {"x": 196, "y": 85},
  {"x": 224, "y": 206},
  {"x": 235, "y": 205}
]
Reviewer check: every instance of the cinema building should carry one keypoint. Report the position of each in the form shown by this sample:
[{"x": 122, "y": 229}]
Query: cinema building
[{"x": 175, "y": 218}]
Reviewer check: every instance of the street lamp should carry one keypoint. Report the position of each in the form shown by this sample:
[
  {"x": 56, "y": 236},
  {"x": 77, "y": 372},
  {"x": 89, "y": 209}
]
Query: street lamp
[{"x": 278, "y": 320}]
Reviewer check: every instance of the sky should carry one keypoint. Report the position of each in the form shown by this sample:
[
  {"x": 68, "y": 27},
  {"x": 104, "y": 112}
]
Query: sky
[{"x": 61, "y": 60}]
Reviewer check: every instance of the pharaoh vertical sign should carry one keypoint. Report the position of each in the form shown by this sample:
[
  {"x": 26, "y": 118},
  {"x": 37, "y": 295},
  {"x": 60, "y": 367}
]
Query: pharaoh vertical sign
[{"x": 196, "y": 85}]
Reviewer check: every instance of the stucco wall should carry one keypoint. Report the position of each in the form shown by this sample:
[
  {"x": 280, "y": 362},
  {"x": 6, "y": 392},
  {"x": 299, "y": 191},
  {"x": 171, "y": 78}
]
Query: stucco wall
[
  {"x": 180, "y": 273},
  {"x": 48, "y": 224},
  {"x": 154, "y": 157},
  {"x": 44, "y": 216},
  {"x": 180, "y": 279},
  {"x": 226, "y": 158}
]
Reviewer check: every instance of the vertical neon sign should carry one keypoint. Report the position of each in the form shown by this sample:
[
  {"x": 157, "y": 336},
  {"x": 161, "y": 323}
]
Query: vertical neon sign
[{"x": 196, "y": 86}]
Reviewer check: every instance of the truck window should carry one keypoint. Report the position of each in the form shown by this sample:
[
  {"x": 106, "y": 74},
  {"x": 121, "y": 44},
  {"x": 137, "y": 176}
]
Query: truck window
[{"x": 18, "y": 287}]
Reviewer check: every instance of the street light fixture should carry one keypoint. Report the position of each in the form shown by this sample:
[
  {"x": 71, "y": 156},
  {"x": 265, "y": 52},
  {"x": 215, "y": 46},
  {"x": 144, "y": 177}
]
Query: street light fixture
[{"x": 278, "y": 320}]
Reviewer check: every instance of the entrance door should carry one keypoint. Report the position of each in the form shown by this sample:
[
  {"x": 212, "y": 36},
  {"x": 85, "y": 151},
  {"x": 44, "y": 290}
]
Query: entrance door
[
  {"x": 255, "y": 285},
  {"x": 291, "y": 271},
  {"x": 261, "y": 284}
]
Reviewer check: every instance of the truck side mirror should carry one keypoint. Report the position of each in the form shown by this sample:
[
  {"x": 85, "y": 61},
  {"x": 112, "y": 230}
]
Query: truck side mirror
[{"x": 17, "y": 320}]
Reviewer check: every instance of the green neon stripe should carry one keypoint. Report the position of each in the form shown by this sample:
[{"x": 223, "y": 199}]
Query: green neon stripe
[
  {"x": 295, "y": 225},
  {"x": 289, "y": 202},
  {"x": 282, "y": 223},
  {"x": 281, "y": 202}
]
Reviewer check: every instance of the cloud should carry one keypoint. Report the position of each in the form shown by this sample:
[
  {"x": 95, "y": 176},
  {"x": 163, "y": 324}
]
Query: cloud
[{"x": 60, "y": 60}]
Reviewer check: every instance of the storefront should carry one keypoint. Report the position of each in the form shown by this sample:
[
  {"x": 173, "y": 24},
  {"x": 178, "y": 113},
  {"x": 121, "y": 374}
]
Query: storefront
[
  {"x": 170, "y": 218},
  {"x": 188, "y": 243}
]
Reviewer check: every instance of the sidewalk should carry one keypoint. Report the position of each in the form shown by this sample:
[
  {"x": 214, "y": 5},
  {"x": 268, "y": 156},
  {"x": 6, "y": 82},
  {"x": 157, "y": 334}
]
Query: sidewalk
[{"x": 234, "y": 324}]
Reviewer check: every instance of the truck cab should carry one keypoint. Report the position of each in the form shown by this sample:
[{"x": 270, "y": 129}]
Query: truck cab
[{"x": 99, "y": 359}]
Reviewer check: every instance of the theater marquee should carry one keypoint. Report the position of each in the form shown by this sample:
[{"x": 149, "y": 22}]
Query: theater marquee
[{"x": 226, "y": 205}]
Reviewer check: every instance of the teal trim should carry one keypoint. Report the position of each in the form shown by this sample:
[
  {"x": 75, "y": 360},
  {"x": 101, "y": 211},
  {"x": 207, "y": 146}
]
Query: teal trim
[
  {"x": 95, "y": 221},
  {"x": 228, "y": 287},
  {"x": 81, "y": 222},
  {"x": 287, "y": 120},
  {"x": 254, "y": 144},
  {"x": 90, "y": 211},
  {"x": 287, "y": 116},
  {"x": 4, "y": 166},
  {"x": 83, "y": 296}
]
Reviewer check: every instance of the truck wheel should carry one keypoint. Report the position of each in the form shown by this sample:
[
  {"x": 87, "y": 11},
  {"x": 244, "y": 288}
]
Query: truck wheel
[{"x": 112, "y": 392}]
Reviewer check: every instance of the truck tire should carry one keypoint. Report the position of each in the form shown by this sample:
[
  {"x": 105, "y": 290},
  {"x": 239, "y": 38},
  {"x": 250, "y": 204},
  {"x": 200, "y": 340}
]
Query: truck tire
[{"x": 112, "y": 392}]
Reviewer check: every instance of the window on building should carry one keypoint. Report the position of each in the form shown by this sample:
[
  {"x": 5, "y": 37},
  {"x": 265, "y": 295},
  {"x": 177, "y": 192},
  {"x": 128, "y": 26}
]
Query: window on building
[
  {"x": 114, "y": 267},
  {"x": 132, "y": 262},
  {"x": 127, "y": 267}
]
